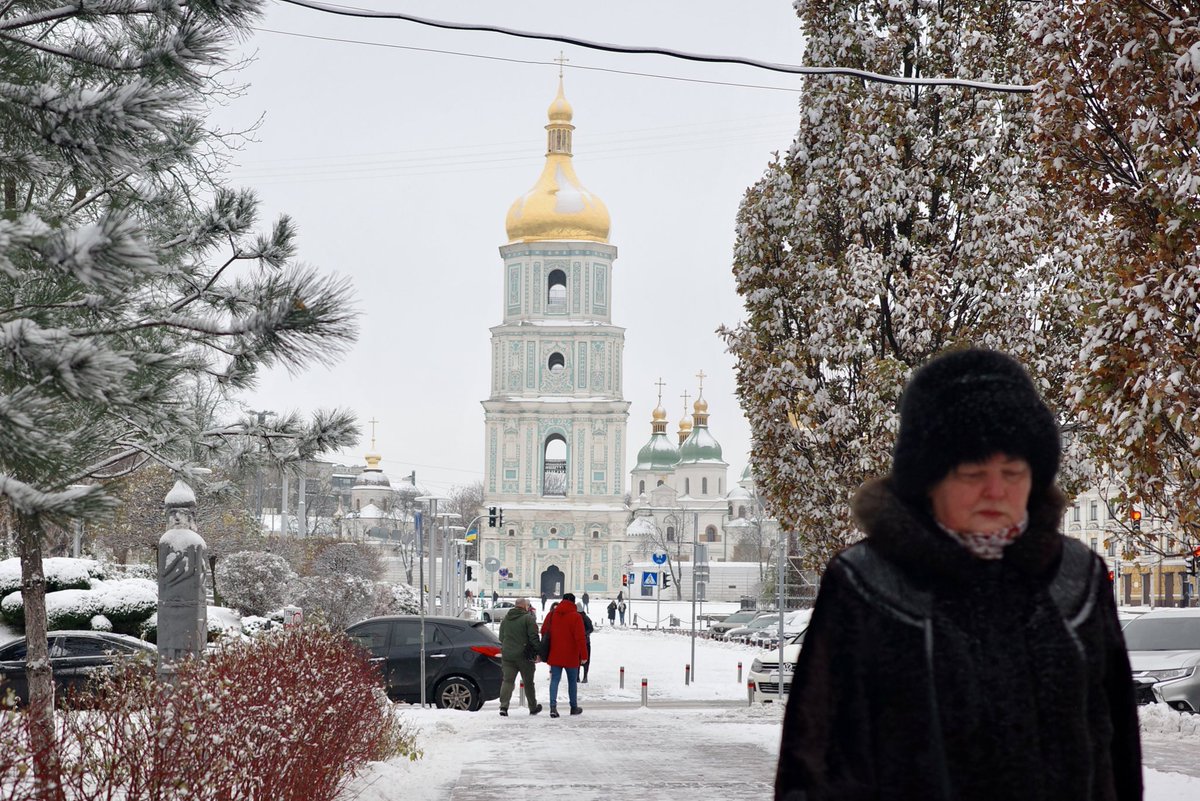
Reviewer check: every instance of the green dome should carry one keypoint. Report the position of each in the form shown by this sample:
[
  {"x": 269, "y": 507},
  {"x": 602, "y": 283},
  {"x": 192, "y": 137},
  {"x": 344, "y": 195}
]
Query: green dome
[
  {"x": 700, "y": 447},
  {"x": 658, "y": 455}
]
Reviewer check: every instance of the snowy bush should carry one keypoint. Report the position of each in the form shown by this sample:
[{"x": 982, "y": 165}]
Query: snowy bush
[
  {"x": 289, "y": 717},
  {"x": 126, "y": 603},
  {"x": 254, "y": 582},
  {"x": 348, "y": 559},
  {"x": 100, "y": 623},
  {"x": 222, "y": 622},
  {"x": 396, "y": 599},
  {"x": 338, "y": 601},
  {"x": 62, "y": 573},
  {"x": 253, "y": 626}
]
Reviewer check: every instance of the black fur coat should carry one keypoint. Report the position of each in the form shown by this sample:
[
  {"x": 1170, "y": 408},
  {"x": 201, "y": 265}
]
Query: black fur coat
[{"x": 927, "y": 673}]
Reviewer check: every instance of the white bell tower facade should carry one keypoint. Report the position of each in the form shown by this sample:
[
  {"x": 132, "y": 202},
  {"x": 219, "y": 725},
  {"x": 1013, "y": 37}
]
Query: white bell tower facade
[{"x": 555, "y": 422}]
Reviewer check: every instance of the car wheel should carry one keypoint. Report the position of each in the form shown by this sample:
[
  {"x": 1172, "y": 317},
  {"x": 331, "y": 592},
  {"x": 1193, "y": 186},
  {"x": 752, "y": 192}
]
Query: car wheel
[
  {"x": 457, "y": 693},
  {"x": 487, "y": 618}
]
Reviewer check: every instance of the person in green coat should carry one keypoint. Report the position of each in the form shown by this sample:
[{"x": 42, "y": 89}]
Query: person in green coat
[{"x": 519, "y": 643}]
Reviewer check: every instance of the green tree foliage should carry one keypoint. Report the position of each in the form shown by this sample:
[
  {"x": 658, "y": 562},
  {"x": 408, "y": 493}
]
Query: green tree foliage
[
  {"x": 901, "y": 222},
  {"x": 127, "y": 270}
]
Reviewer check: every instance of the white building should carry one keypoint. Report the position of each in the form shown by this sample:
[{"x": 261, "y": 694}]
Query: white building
[{"x": 555, "y": 421}]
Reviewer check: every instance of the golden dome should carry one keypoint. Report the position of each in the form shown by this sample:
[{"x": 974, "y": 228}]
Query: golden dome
[
  {"x": 558, "y": 206},
  {"x": 700, "y": 406},
  {"x": 659, "y": 413}
]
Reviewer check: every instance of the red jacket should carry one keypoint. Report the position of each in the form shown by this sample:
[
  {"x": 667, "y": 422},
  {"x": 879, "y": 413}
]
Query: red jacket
[{"x": 568, "y": 643}]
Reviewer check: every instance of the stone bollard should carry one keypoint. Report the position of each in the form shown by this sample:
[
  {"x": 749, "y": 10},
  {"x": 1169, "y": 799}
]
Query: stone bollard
[
  {"x": 182, "y": 567},
  {"x": 739, "y": 672},
  {"x": 521, "y": 694},
  {"x": 622, "y": 677},
  {"x": 645, "y": 693},
  {"x": 750, "y": 693},
  {"x": 687, "y": 675}
]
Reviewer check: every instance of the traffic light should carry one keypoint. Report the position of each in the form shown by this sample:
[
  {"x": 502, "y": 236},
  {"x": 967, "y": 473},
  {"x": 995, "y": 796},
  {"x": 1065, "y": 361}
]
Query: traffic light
[
  {"x": 1135, "y": 521},
  {"x": 470, "y": 573},
  {"x": 499, "y": 515},
  {"x": 624, "y": 579},
  {"x": 666, "y": 580},
  {"x": 1194, "y": 562},
  {"x": 491, "y": 517},
  {"x": 1111, "y": 575}
]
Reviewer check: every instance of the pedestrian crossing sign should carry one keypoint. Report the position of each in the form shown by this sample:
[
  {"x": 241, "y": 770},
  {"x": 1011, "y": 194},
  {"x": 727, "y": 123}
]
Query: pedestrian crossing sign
[{"x": 649, "y": 579}]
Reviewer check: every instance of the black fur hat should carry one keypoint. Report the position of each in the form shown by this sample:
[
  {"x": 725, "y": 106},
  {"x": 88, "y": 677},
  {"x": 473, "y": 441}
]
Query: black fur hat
[{"x": 967, "y": 406}]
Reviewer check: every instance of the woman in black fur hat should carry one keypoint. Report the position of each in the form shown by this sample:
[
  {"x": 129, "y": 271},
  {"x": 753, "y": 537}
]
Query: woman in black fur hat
[{"x": 965, "y": 650}]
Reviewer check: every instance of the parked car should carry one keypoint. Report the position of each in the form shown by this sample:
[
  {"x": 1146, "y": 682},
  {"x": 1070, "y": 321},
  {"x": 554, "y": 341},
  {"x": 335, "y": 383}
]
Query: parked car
[
  {"x": 462, "y": 658},
  {"x": 496, "y": 613},
  {"x": 793, "y": 623},
  {"x": 764, "y": 670},
  {"x": 75, "y": 657},
  {"x": 1164, "y": 652},
  {"x": 743, "y": 633},
  {"x": 741, "y": 618}
]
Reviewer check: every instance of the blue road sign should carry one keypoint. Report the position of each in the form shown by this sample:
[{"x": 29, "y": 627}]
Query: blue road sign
[
  {"x": 649, "y": 579},
  {"x": 659, "y": 558}
]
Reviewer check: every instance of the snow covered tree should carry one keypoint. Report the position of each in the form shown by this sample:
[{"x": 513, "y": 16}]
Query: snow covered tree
[
  {"x": 337, "y": 600},
  {"x": 127, "y": 270},
  {"x": 254, "y": 582},
  {"x": 900, "y": 223},
  {"x": 1118, "y": 124}
]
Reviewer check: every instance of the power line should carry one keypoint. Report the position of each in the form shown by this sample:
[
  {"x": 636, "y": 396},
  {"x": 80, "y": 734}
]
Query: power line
[{"x": 865, "y": 75}]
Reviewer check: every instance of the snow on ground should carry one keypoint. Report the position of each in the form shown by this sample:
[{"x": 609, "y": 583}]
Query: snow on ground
[{"x": 693, "y": 742}]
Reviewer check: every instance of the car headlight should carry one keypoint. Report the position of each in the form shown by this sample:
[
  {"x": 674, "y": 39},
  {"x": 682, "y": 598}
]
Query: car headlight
[
  {"x": 1170, "y": 675},
  {"x": 756, "y": 666}
]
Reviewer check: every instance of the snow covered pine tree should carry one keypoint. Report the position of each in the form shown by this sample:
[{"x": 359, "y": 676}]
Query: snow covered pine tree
[{"x": 119, "y": 284}]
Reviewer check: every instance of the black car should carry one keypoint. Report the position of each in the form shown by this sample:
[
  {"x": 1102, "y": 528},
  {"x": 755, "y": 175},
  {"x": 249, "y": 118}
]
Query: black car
[
  {"x": 75, "y": 656},
  {"x": 462, "y": 658}
]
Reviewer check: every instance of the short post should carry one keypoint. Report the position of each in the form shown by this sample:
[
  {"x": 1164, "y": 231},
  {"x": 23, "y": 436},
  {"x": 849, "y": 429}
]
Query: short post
[
  {"x": 687, "y": 675},
  {"x": 645, "y": 693},
  {"x": 622, "y": 677},
  {"x": 739, "y": 672},
  {"x": 521, "y": 694},
  {"x": 750, "y": 693}
]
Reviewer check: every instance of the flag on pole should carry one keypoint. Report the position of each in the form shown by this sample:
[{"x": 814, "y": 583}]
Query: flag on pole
[{"x": 472, "y": 535}]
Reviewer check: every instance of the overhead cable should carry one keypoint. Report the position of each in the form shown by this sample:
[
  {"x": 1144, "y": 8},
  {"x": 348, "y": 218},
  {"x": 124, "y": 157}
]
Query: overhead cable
[{"x": 662, "y": 51}]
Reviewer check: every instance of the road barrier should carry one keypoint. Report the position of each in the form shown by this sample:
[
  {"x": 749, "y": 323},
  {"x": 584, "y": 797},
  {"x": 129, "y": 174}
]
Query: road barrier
[{"x": 645, "y": 693}]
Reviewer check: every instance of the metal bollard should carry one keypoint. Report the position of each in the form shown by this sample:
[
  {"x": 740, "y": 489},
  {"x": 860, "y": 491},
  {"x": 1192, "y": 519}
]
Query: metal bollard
[
  {"x": 687, "y": 675},
  {"x": 521, "y": 694},
  {"x": 645, "y": 693},
  {"x": 622, "y": 677},
  {"x": 750, "y": 693},
  {"x": 739, "y": 672}
]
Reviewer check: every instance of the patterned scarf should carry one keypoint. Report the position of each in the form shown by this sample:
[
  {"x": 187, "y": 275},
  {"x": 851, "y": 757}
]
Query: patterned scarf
[{"x": 988, "y": 544}]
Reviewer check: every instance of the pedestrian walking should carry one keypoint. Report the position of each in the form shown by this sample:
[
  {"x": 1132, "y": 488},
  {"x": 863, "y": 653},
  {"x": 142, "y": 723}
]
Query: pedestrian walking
[
  {"x": 495, "y": 597},
  {"x": 965, "y": 650},
  {"x": 621, "y": 612},
  {"x": 543, "y": 601},
  {"x": 588, "y": 628},
  {"x": 612, "y": 613},
  {"x": 568, "y": 650},
  {"x": 519, "y": 644},
  {"x": 585, "y": 600}
]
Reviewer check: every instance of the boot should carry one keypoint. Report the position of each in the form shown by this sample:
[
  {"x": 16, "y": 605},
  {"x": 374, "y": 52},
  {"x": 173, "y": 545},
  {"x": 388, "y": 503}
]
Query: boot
[
  {"x": 576, "y": 710},
  {"x": 503, "y": 712},
  {"x": 536, "y": 709},
  {"x": 553, "y": 711}
]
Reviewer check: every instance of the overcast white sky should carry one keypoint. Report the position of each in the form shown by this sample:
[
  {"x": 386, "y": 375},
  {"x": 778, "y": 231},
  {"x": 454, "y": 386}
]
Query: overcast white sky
[{"x": 399, "y": 164}]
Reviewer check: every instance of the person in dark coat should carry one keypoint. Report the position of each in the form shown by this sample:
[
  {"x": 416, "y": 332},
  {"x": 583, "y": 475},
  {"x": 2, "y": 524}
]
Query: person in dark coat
[
  {"x": 519, "y": 643},
  {"x": 586, "y": 599},
  {"x": 965, "y": 650},
  {"x": 544, "y": 596},
  {"x": 588, "y": 628},
  {"x": 612, "y": 613},
  {"x": 568, "y": 650}
]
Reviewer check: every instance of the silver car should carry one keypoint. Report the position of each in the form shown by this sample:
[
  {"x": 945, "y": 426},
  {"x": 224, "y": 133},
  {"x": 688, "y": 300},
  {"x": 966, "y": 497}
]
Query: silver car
[{"x": 1164, "y": 652}]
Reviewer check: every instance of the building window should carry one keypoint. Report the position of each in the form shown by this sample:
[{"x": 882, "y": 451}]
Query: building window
[
  {"x": 710, "y": 534},
  {"x": 512, "y": 532},
  {"x": 553, "y": 530},
  {"x": 554, "y": 466},
  {"x": 704, "y": 486},
  {"x": 1095, "y": 545},
  {"x": 1075, "y": 513},
  {"x": 556, "y": 292},
  {"x": 687, "y": 486},
  {"x": 1092, "y": 511},
  {"x": 595, "y": 577},
  {"x": 556, "y": 362},
  {"x": 670, "y": 533},
  {"x": 595, "y": 536},
  {"x": 642, "y": 487}
]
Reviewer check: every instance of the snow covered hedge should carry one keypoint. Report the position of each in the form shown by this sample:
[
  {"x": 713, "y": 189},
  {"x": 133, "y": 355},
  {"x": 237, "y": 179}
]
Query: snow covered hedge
[
  {"x": 62, "y": 573},
  {"x": 125, "y": 603}
]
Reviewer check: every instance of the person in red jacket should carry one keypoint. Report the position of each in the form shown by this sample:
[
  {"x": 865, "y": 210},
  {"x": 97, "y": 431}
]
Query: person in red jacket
[{"x": 568, "y": 650}]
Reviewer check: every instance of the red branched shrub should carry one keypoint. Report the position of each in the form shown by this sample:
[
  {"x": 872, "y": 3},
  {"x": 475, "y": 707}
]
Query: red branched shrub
[{"x": 289, "y": 717}]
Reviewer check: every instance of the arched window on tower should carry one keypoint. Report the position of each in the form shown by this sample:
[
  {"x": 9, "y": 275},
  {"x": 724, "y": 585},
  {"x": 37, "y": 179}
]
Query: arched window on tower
[
  {"x": 556, "y": 362},
  {"x": 687, "y": 486},
  {"x": 642, "y": 487},
  {"x": 556, "y": 292},
  {"x": 704, "y": 486},
  {"x": 670, "y": 533},
  {"x": 710, "y": 534},
  {"x": 554, "y": 466}
]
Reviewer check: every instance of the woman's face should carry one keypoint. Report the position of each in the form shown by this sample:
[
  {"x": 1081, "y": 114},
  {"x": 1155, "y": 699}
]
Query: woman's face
[{"x": 983, "y": 496}]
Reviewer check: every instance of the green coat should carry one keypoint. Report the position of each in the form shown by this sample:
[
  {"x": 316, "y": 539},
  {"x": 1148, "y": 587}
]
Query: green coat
[{"x": 517, "y": 630}]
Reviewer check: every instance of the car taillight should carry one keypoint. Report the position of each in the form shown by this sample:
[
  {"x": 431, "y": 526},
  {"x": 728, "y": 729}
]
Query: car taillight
[{"x": 487, "y": 650}]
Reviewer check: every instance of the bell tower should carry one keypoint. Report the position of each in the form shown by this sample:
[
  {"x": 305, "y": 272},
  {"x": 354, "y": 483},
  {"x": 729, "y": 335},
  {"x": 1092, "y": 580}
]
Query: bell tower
[{"x": 555, "y": 421}]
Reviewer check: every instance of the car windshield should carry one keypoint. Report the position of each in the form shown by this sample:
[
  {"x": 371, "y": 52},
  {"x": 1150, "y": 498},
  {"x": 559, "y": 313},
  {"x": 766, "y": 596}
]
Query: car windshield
[
  {"x": 763, "y": 622},
  {"x": 739, "y": 617},
  {"x": 1163, "y": 634}
]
